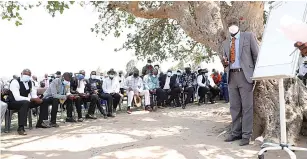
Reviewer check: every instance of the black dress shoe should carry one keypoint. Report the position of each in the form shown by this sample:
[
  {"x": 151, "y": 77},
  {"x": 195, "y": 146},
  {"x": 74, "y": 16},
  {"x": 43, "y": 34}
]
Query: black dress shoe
[
  {"x": 244, "y": 142},
  {"x": 21, "y": 131},
  {"x": 233, "y": 138},
  {"x": 42, "y": 125},
  {"x": 80, "y": 120},
  {"x": 54, "y": 125}
]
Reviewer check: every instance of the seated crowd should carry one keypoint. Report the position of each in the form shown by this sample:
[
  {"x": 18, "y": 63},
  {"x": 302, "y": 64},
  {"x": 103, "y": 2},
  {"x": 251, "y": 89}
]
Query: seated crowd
[{"x": 106, "y": 93}]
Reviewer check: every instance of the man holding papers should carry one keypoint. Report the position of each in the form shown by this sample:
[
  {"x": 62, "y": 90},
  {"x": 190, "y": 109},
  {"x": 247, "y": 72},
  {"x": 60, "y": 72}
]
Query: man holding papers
[{"x": 240, "y": 56}]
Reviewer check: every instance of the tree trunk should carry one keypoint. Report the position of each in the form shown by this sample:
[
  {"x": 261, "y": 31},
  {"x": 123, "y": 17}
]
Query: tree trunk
[{"x": 205, "y": 22}]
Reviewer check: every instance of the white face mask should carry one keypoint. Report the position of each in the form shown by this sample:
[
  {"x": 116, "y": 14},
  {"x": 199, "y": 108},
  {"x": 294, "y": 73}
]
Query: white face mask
[
  {"x": 169, "y": 74},
  {"x": 66, "y": 83},
  {"x": 233, "y": 29},
  {"x": 93, "y": 76},
  {"x": 111, "y": 76},
  {"x": 25, "y": 78}
]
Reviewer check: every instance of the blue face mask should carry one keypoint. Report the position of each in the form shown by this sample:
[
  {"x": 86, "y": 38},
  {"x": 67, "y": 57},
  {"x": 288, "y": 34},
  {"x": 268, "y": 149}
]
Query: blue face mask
[
  {"x": 25, "y": 78},
  {"x": 80, "y": 77}
]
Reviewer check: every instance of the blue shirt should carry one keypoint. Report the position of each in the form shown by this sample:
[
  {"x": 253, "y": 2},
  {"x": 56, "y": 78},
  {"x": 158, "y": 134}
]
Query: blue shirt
[
  {"x": 151, "y": 82},
  {"x": 236, "y": 64}
]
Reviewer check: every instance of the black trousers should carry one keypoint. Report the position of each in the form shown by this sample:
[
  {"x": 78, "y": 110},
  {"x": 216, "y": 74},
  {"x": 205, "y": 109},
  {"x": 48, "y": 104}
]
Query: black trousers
[
  {"x": 190, "y": 91},
  {"x": 69, "y": 104},
  {"x": 94, "y": 100},
  {"x": 174, "y": 95},
  {"x": 116, "y": 98},
  {"x": 202, "y": 91},
  {"x": 109, "y": 99},
  {"x": 161, "y": 96},
  {"x": 22, "y": 108}
]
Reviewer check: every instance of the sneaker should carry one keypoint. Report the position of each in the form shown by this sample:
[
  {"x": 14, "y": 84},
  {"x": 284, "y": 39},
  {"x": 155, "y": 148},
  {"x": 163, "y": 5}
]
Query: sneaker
[
  {"x": 80, "y": 120},
  {"x": 72, "y": 120},
  {"x": 88, "y": 116}
]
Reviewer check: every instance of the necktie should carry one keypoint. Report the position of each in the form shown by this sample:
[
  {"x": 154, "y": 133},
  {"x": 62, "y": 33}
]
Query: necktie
[{"x": 232, "y": 50}]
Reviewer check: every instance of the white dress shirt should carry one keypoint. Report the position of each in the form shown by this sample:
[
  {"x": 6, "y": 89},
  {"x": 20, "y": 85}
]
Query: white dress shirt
[
  {"x": 46, "y": 81},
  {"x": 122, "y": 83},
  {"x": 111, "y": 85},
  {"x": 200, "y": 81},
  {"x": 167, "y": 81},
  {"x": 14, "y": 88},
  {"x": 81, "y": 86}
]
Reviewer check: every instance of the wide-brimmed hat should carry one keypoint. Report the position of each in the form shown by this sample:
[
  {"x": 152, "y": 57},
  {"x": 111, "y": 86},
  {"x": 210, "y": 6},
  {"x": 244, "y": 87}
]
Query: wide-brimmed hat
[{"x": 111, "y": 71}]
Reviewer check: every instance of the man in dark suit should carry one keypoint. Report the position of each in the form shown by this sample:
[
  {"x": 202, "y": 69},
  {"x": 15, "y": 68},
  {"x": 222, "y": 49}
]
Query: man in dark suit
[
  {"x": 240, "y": 56},
  {"x": 170, "y": 87}
]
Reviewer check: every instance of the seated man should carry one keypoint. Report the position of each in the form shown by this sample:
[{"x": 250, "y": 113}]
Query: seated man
[
  {"x": 111, "y": 88},
  {"x": 94, "y": 88},
  {"x": 77, "y": 88},
  {"x": 169, "y": 86},
  {"x": 121, "y": 79},
  {"x": 58, "y": 92},
  {"x": 22, "y": 96},
  {"x": 151, "y": 83},
  {"x": 204, "y": 86},
  {"x": 134, "y": 87},
  {"x": 188, "y": 84}
]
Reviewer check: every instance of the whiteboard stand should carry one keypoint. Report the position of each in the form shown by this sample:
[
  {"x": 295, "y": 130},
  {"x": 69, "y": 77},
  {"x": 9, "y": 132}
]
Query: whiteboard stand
[{"x": 283, "y": 132}]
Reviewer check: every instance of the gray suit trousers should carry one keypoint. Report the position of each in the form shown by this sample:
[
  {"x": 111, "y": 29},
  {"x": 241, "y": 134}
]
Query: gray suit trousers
[{"x": 241, "y": 104}]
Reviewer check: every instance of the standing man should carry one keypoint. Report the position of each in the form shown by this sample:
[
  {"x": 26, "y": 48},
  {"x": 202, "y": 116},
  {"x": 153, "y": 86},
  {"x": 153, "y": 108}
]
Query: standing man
[
  {"x": 46, "y": 81},
  {"x": 240, "y": 56},
  {"x": 147, "y": 67}
]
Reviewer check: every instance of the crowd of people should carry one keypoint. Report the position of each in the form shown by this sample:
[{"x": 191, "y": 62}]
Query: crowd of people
[{"x": 105, "y": 92}]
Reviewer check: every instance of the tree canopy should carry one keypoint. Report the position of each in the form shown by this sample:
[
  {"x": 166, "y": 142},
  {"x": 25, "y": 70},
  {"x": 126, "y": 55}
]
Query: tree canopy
[{"x": 156, "y": 32}]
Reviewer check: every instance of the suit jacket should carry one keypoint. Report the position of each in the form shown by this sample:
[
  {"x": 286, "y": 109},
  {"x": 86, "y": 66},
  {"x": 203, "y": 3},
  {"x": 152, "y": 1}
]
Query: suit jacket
[
  {"x": 162, "y": 80},
  {"x": 248, "y": 49},
  {"x": 54, "y": 90}
]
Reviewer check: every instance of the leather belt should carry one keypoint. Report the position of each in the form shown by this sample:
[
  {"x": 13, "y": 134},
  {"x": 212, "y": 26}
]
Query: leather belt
[{"x": 236, "y": 70}]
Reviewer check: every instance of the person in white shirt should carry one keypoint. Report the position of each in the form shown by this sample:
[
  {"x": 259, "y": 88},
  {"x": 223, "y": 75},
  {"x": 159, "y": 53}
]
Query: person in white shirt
[
  {"x": 134, "y": 86},
  {"x": 204, "y": 86},
  {"x": 121, "y": 79},
  {"x": 46, "y": 81},
  {"x": 3, "y": 106},
  {"x": 22, "y": 96},
  {"x": 111, "y": 87},
  {"x": 35, "y": 82}
]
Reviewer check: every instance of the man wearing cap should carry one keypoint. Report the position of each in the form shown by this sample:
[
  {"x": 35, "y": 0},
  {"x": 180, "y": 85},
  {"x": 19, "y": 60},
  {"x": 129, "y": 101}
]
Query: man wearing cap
[
  {"x": 111, "y": 89},
  {"x": 240, "y": 56}
]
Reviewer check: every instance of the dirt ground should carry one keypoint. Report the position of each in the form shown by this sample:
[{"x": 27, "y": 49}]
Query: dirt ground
[{"x": 168, "y": 134}]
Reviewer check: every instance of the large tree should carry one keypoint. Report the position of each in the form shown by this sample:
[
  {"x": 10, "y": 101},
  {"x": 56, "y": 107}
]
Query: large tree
[{"x": 195, "y": 30}]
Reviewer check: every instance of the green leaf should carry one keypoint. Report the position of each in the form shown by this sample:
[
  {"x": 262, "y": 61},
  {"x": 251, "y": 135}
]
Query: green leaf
[{"x": 71, "y": 2}]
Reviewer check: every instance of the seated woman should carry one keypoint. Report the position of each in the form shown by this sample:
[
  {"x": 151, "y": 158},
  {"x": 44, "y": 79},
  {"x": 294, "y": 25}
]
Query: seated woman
[{"x": 151, "y": 83}]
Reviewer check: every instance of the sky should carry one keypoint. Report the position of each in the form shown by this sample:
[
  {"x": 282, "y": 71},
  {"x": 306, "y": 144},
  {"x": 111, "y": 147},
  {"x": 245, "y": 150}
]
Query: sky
[{"x": 64, "y": 43}]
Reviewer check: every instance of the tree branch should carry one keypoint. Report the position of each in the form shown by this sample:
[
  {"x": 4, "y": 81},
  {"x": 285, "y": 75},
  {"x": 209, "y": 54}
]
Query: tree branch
[{"x": 133, "y": 8}]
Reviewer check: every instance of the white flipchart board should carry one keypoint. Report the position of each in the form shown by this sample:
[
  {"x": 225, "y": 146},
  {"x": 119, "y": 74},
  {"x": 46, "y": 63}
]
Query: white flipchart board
[{"x": 274, "y": 60}]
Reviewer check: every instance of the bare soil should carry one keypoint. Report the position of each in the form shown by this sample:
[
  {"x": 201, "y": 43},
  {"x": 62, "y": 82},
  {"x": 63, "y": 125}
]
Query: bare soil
[{"x": 192, "y": 133}]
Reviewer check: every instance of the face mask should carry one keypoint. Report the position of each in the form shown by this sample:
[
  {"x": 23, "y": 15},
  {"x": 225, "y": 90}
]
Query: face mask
[
  {"x": 66, "y": 83},
  {"x": 80, "y": 77},
  {"x": 233, "y": 29},
  {"x": 154, "y": 75},
  {"x": 25, "y": 78},
  {"x": 178, "y": 73},
  {"x": 169, "y": 74},
  {"x": 93, "y": 76},
  {"x": 111, "y": 76}
]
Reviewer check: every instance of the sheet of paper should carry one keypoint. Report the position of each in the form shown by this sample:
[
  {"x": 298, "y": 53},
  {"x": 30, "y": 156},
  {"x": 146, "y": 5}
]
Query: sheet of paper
[{"x": 293, "y": 29}]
